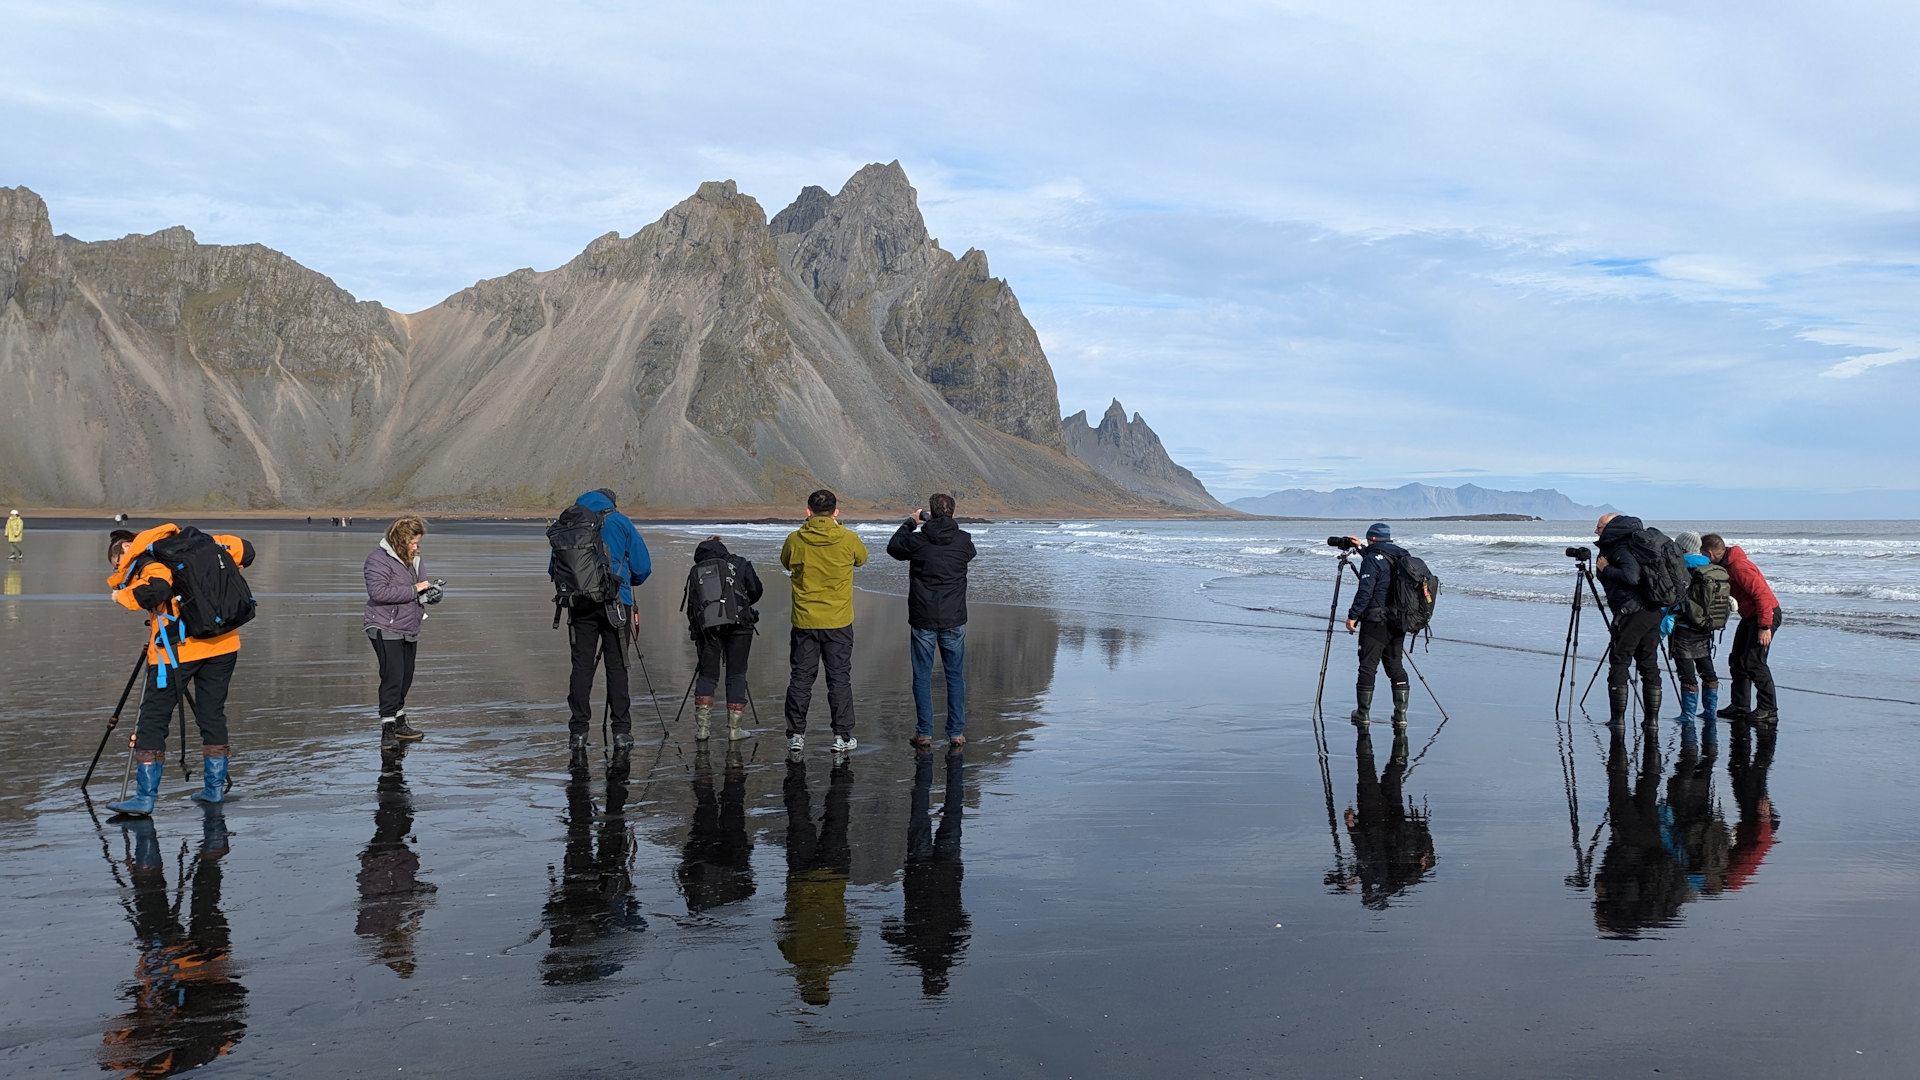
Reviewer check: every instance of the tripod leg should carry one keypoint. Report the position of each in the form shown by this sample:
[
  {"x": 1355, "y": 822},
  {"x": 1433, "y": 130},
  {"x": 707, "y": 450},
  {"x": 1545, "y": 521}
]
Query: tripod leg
[
  {"x": 114, "y": 720},
  {"x": 651, "y": 694},
  {"x": 1326, "y": 652},
  {"x": 1566, "y": 650},
  {"x": 1423, "y": 682}
]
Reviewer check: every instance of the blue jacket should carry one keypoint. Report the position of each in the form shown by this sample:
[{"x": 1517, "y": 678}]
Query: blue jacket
[
  {"x": 625, "y": 550},
  {"x": 1376, "y": 574}
]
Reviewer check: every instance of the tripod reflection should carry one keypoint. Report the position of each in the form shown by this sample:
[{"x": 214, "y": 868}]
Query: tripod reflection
[{"x": 1392, "y": 842}]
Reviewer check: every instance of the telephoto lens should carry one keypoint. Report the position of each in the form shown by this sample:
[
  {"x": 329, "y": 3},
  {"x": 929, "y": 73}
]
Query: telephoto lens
[
  {"x": 1339, "y": 541},
  {"x": 1578, "y": 553}
]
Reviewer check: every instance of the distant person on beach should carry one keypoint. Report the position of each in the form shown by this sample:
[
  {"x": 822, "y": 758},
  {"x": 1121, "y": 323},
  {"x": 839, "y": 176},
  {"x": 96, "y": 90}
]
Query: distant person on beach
[
  {"x": 144, "y": 581},
  {"x": 936, "y": 551},
  {"x": 16, "y": 531},
  {"x": 720, "y": 593},
  {"x": 1759, "y": 619},
  {"x": 600, "y": 629},
  {"x": 1636, "y": 624},
  {"x": 1379, "y": 642},
  {"x": 397, "y": 595},
  {"x": 1691, "y": 643},
  {"x": 821, "y": 556}
]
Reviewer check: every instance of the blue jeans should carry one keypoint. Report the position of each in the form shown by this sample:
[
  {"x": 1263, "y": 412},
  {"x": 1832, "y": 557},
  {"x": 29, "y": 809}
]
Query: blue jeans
[{"x": 952, "y": 644}]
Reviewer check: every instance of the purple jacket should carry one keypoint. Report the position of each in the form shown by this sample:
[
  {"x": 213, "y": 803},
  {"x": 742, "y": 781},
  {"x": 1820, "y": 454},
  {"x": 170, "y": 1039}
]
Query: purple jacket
[{"x": 392, "y": 602}]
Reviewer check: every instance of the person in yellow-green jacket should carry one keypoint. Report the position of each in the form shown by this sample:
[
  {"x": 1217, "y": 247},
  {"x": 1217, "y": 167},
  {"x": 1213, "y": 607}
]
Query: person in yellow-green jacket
[
  {"x": 16, "y": 532},
  {"x": 820, "y": 556}
]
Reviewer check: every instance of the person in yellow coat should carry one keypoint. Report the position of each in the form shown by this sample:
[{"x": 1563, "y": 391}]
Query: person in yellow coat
[
  {"x": 821, "y": 556},
  {"x": 16, "y": 531}
]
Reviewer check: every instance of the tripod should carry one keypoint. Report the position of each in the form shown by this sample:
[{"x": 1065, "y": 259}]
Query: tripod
[{"x": 1570, "y": 652}]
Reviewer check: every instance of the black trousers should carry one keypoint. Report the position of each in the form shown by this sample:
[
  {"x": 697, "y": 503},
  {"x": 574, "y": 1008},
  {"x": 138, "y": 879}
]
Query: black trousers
[
  {"x": 1380, "y": 643},
  {"x": 1747, "y": 663},
  {"x": 805, "y": 650},
  {"x": 596, "y": 636},
  {"x": 210, "y": 678},
  {"x": 733, "y": 644},
  {"x": 1693, "y": 672},
  {"x": 1636, "y": 640},
  {"x": 396, "y": 673}
]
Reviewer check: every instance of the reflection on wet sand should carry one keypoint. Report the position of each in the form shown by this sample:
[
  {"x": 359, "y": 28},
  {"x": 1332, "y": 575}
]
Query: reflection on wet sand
[
  {"x": 188, "y": 1006},
  {"x": 393, "y": 899},
  {"x": 591, "y": 910},
  {"x": 1641, "y": 882},
  {"x": 815, "y": 934},
  {"x": 1752, "y": 756},
  {"x": 716, "y": 865},
  {"x": 1392, "y": 842},
  {"x": 933, "y": 929}
]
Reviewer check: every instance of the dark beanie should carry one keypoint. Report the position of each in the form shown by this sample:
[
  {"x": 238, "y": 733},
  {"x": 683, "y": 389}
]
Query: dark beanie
[
  {"x": 608, "y": 492},
  {"x": 1379, "y": 531}
]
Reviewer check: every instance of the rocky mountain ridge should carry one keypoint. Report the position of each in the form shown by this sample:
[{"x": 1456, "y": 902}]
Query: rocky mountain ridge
[
  {"x": 1130, "y": 454},
  {"x": 712, "y": 358}
]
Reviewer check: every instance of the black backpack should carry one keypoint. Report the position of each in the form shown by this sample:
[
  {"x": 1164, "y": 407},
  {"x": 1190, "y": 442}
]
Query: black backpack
[
  {"x": 581, "y": 569},
  {"x": 213, "y": 596},
  {"x": 1410, "y": 595},
  {"x": 1663, "y": 568},
  {"x": 713, "y": 599},
  {"x": 1709, "y": 599}
]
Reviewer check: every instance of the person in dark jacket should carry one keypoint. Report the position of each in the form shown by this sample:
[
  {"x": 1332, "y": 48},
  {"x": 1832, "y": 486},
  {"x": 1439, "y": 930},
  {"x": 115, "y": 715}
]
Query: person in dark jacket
[
  {"x": 1759, "y": 619},
  {"x": 599, "y": 631},
  {"x": 396, "y": 594},
  {"x": 733, "y": 641},
  {"x": 1368, "y": 615},
  {"x": 1636, "y": 626},
  {"x": 936, "y": 551}
]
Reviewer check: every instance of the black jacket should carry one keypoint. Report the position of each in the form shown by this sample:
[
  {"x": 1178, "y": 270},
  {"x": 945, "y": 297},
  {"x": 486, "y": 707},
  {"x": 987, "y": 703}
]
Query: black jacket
[
  {"x": 938, "y": 554},
  {"x": 1376, "y": 575},
  {"x": 749, "y": 579},
  {"x": 1621, "y": 578}
]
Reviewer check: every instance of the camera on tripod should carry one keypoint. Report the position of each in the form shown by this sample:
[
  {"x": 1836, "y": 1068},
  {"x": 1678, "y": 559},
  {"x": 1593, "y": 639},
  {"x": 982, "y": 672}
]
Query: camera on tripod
[
  {"x": 1344, "y": 543},
  {"x": 1579, "y": 553}
]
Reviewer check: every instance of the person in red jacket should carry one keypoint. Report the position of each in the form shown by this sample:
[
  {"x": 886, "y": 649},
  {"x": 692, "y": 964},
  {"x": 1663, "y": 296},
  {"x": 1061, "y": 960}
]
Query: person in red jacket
[{"x": 1759, "y": 618}]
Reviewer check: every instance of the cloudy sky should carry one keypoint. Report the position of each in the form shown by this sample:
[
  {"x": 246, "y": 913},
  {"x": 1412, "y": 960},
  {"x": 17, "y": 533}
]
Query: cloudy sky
[{"x": 1665, "y": 259}]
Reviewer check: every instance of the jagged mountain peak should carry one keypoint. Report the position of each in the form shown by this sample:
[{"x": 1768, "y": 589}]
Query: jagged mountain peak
[{"x": 1129, "y": 453}]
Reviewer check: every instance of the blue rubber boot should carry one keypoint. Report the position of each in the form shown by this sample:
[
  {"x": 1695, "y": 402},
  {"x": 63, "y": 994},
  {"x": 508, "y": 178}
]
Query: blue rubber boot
[
  {"x": 1689, "y": 706},
  {"x": 146, "y": 790},
  {"x": 1710, "y": 699},
  {"x": 213, "y": 777}
]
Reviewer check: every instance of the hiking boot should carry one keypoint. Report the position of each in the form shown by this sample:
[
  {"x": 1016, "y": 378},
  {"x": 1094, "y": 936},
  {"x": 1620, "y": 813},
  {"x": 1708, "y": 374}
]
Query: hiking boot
[
  {"x": 1764, "y": 716},
  {"x": 1618, "y": 698},
  {"x": 1738, "y": 695},
  {"x": 1732, "y": 712},
  {"x": 922, "y": 741},
  {"x": 955, "y": 742},
  {"x": 577, "y": 741},
  {"x": 844, "y": 743},
  {"x": 796, "y": 743},
  {"x": 1364, "y": 697},
  {"x": 1401, "y": 691},
  {"x": 703, "y": 722},
  {"x": 213, "y": 775},
  {"x": 622, "y": 740},
  {"x": 388, "y": 740},
  {"x": 736, "y": 723},
  {"x": 404, "y": 731}
]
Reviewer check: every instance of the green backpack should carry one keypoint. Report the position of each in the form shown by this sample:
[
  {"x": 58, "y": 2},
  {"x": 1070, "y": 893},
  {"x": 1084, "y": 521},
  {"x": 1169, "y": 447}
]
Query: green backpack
[{"x": 1709, "y": 600}]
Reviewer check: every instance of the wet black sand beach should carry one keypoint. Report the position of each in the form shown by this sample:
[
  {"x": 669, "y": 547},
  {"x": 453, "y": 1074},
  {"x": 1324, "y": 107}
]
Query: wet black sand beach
[{"x": 1142, "y": 864}]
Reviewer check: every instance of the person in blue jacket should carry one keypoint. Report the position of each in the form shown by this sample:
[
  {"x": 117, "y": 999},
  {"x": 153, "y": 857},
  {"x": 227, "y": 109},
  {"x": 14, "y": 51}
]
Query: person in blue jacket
[{"x": 601, "y": 631}]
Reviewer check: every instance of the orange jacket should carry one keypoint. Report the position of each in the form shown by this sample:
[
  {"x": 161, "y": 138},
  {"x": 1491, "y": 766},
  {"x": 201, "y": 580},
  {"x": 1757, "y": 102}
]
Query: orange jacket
[{"x": 152, "y": 580}]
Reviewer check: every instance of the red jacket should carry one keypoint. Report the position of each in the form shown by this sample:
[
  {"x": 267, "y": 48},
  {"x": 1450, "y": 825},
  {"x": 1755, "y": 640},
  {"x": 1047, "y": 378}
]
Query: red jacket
[{"x": 1750, "y": 591}]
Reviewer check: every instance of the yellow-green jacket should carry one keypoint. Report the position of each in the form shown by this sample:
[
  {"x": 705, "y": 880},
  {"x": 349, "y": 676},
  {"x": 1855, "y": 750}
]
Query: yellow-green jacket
[
  {"x": 16, "y": 528},
  {"x": 821, "y": 556}
]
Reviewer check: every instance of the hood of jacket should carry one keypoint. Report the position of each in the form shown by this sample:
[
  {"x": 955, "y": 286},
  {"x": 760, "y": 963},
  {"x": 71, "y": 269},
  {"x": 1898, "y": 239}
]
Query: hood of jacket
[
  {"x": 1619, "y": 529},
  {"x": 598, "y": 501},
  {"x": 710, "y": 548},
  {"x": 821, "y": 531},
  {"x": 940, "y": 530},
  {"x": 413, "y": 564},
  {"x": 136, "y": 547},
  {"x": 1696, "y": 560}
]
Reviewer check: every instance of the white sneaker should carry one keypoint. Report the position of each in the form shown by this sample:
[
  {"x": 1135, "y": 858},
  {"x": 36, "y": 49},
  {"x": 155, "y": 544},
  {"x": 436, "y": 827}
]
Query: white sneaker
[
  {"x": 844, "y": 743},
  {"x": 797, "y": 744}
]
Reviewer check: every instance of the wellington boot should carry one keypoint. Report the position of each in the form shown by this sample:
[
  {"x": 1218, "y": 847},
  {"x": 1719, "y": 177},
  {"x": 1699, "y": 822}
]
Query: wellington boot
[
  {"x": 1401, "y": 691},
  {"x": 1710, "y": 700},
  {"x": 213, "y": 776},
  {"x": 146, "y": 790},
  {"x": 737, "y": 723},
  {"x": 1364, "y": 698},
  {"x": 703, "y": 722},
  {"x": 1650, "y": 698},
  {"x": 1689, "y": 706},
  {"x": 1618, "y": 698}
]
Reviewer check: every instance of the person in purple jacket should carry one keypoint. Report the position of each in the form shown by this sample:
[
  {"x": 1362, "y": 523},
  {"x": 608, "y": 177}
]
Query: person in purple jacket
[{"x": 397, "y": 594}]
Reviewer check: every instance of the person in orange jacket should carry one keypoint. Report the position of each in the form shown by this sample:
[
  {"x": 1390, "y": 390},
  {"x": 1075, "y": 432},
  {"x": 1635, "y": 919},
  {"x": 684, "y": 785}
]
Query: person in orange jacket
[{"x": 143, "y": 583}]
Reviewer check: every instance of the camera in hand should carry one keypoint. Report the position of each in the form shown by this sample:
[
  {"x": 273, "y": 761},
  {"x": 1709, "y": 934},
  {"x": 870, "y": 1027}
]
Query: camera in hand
[
  {"x": 433, "y": 593},
  {"x": 1578, "y": 553},
  {"x": 1344, "y": 543}
]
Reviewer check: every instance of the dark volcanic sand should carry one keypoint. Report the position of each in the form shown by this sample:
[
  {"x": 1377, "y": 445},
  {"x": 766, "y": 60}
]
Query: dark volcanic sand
[{"x": 1133, "y": 872}]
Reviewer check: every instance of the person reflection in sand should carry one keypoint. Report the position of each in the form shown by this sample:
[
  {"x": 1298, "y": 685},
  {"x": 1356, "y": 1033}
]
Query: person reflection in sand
[
  {"x": 716, "y": 866},
  {"x": 393, "y": 899},
  {"x": 188, "y": 1005},
  {"x": 1392, "y": 843},
  {"x": 815, "y": 935},
  {"x": 591, "y": 908},
  {"x": 1752, "y": 756},
  {"x": 1642, "y": 882},
  {"x": 933, "y": 929},
  {"x": 1696, "y": 833}
]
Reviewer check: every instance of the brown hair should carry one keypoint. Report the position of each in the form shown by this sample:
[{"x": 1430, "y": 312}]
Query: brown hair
[
  {"x": 1711, "y": 545},
  {"x": 940, "y": 505},
  {"x": 402, "y": 530}
]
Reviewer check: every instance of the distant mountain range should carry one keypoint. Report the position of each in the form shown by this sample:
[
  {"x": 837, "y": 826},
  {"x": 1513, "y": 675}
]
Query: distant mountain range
[
  {"x": 1417, "y": 501},
  {"x": 712, "y": 359}
]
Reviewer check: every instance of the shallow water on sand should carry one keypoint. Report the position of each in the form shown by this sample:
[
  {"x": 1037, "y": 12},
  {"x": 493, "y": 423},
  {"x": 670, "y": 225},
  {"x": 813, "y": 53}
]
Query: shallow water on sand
[{"x": 1148, "y": 861}]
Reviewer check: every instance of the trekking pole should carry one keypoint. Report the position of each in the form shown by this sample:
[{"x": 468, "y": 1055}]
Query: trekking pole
[
  {"x": 755, "y": 708},
  {"x": 114, "y": 720},
  {"x": 688, "y": 694},
  {"x": 184, "y": 702},
  {"x": 1423, "y": 682},
  {"x": 651, "y": 694},
  {"x": 1333, "y": 610}
]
